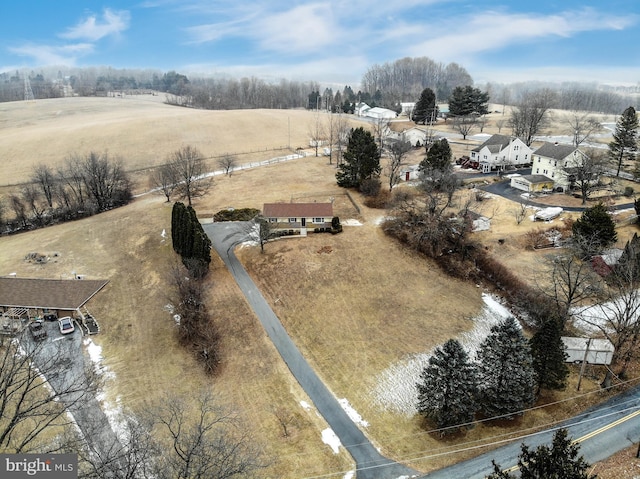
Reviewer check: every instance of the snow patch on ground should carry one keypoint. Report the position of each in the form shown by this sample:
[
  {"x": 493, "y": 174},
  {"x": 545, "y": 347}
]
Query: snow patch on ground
[
  {"x": 351, "y": 222},
  {"x": 305, "y": 405},
  {"x": 329, "y": 438},
  {"x": 113, "y": 411},
  {"x": 349, "y": 475},
  {"x": 352, "y": 413},
  {"x": 395, "y": 388},
  {"x": 380, "y": 219}
]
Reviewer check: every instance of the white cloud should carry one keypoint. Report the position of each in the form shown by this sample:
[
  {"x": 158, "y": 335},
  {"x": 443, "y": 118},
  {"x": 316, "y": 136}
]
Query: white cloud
[
  {"x": 495, "y": 30},
  {"x": 53, "y": 55},
  {"x": 93, "y": 29}
]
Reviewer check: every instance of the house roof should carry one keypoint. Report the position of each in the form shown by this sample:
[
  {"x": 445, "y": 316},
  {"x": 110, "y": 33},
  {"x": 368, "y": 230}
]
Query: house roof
[
  {"x": 555, "y": 151},
  {"x": 63, "y": 294},
  {"x": 495, "y": 143},
  {"x": 297, "y": 210},
  {"x": 536, "y": 179}
]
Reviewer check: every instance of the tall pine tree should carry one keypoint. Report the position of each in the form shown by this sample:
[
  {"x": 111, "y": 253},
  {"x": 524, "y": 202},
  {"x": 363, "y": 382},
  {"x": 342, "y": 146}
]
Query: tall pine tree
[
  {"x": 425, "y": 110},
  {"x": 548, "y": 352},
  {"x": 560, "y": 461},
  {"x": 361, "y": 161},
  {"x": 624, "y": 144},
  {"x": 438, "y": 157},
  {"x": 448, "y": 387},
  {"x": 594, "y": 230},
  {"x": 506, "y": 377},
  {"x": 466, "y": 100}
]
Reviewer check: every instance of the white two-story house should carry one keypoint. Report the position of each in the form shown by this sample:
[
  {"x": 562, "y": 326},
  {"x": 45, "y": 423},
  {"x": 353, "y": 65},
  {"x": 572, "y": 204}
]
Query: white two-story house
[
  {"x": 557, "y": 162},
  {"x": 500, "y": 152}
]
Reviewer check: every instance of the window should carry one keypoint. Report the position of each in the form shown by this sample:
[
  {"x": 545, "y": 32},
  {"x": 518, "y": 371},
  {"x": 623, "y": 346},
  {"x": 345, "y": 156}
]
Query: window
[
  {"x": 537, "y": 170},
  {"x": 292, "y": 220},
  {"x": 515, "y": 147},
  {"x": 273, "y": 220},
  {"x": 318, "y": 220},
  {"x": 539, "y": 159},
  {"x": 525, "y": 156}
]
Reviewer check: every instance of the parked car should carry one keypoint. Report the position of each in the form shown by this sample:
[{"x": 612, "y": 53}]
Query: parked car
[
  {"x": 50, "y": 316},
  {"x": 66, "y": 325},
  {"x": 37, "y": 330}
]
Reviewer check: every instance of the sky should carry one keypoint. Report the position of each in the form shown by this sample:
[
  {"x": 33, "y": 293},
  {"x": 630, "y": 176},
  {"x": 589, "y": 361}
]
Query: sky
[{"x": 332, "y": 42}]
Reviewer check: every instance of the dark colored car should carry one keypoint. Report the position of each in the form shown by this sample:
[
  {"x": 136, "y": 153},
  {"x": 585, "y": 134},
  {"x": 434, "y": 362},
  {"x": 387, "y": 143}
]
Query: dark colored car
[
  {"x": 37, "y": 331},
  {"x": 50, "y": 317}
]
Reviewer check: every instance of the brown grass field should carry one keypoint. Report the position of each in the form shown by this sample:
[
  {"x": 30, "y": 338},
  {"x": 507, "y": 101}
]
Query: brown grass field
[{"x": 355, "y": 303}]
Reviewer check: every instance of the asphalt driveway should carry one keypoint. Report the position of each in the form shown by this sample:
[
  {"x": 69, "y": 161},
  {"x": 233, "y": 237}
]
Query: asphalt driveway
[{"x": 370, "y": 464}]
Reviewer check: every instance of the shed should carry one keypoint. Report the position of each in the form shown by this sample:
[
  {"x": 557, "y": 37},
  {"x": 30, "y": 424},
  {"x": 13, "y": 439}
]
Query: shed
[{"x": 598, "y": 351}]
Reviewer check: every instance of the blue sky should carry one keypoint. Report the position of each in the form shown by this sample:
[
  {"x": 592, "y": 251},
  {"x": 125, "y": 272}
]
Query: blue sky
[{"x": 333, "y": 42}]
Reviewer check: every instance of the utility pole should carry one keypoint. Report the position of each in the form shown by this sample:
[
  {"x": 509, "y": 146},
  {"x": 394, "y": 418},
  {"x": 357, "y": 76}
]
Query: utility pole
[{"x": 584, "y": 363}]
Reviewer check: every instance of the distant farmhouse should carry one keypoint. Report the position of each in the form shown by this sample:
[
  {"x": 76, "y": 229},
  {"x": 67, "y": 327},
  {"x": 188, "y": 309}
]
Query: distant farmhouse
[
  {"x": 376, "y": 113},
  {"x": 500, "y": 152},
  {"x": 298, "y": 218}
]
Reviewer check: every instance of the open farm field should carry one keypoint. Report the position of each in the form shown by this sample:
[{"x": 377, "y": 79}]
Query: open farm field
[
  {"x": 142, "y": 130},
  {"x": 356, "y": 304}
]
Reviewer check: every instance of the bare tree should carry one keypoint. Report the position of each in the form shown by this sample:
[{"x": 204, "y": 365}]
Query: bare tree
[
  {"x": 531, "y": 114},
  {"x": 163, "y": 179},
  {"x": 316, "y": 133},
  {"x": 105, "y": 181},
  {"x": 464, "y": 125},
  {"x": 19, "y": 210},
  {"x": 500, "y": 124},
  {"x": 573, "y": 282},
  {"x": 341, "y": 126},
  {"x": 380, "y": 127},
  {"x": 397, "y": 153},
  {"x": 33, "y": 198},
  {"x": 190, "y": 169},
  {"x": 30, "y": 409},
  {"x": 581, "y": 126},
  {"x": 587, "y": 173},
  {"x": 227, "y": 163},
  {"x": 45, "y": 178},
  {"x": 203, "y": 441},
  {"x": 521, "y": 212},
  {"x": 72, "y": 181}
]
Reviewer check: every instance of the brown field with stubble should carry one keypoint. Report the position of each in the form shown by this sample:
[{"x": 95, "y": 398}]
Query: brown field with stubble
[{"x": 354, "y": 303}]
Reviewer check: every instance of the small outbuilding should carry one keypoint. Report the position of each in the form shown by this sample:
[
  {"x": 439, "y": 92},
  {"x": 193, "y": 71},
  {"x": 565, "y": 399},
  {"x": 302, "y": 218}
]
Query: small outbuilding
[
  {"x": 532, "y": 183},
  {"x": 594, "y": 351}
]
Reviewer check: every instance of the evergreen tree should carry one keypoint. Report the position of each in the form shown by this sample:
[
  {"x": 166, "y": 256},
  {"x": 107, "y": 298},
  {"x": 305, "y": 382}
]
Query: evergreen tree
[
  {"x": 438, "y": 157},
  {"x": 624, "y": 144},
  {"x": 594, "y": 230},
  {"x": 448, "y": 387},
  {"x": 560, "y": 461},
  {"x": 466, "y": 100},
  {"x": 425, "y": 109},
  {"x": 505, "y": 372},
  {"x": 190, "y": 240},
  {"x": 361, "y": 160},
  {"x": 628, "y": 266},
  {"x": 548, "y": 352}
]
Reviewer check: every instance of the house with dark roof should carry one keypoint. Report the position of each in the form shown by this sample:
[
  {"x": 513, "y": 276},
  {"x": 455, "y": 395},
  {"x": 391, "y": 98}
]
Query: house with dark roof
[
  {"x": 23, "y": 299},
  {"x": 500, "y": 152},
  {"x": 298, "y": 218},
  {"x": 558, "y": 162}
]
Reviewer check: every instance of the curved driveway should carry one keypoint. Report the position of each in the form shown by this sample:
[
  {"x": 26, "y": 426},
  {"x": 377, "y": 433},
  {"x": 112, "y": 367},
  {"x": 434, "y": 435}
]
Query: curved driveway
[{"x": 370, "y": 464}]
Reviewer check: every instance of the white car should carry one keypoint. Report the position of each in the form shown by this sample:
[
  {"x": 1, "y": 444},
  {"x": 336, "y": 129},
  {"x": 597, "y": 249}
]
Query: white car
[{"x": 66, "y": 325}]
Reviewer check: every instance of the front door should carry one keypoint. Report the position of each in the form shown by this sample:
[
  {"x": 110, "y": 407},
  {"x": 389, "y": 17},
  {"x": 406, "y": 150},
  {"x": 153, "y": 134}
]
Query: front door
[{"x": 303, "y": 222}]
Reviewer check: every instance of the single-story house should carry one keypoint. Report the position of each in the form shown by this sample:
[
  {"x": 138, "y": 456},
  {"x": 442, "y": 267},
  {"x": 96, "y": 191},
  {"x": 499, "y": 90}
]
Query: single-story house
[
  {"x": 532, "y": 183},
  {"x": 24, "y": 299},
  {"x": 499, "y": 152},
  {"x": 298, "y": 217},
  {"x": 558, "y": 162}
]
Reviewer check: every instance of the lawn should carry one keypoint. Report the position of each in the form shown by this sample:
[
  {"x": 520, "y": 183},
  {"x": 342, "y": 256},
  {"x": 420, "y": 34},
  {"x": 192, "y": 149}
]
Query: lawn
[{"x": 356, "y": 303}]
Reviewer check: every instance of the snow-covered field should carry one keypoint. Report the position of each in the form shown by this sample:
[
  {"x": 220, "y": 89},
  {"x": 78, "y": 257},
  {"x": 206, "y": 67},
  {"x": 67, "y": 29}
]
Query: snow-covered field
[{"x": 395, "y": 388}]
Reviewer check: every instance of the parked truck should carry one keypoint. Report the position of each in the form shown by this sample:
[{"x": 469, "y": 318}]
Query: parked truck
[{"x": 598, "y": 351}]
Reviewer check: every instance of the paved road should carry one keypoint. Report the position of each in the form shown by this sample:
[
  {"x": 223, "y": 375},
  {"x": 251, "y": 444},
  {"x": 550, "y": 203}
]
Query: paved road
[
  {"x": 610, "y": 438},
  {"x": 504, "y": 189},
  {"x": 370, "y": 464}
]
